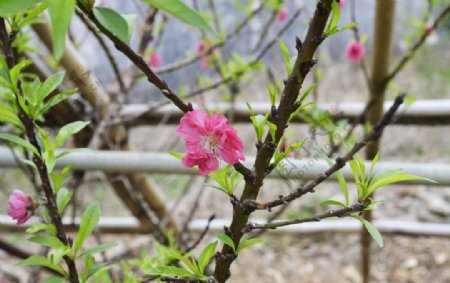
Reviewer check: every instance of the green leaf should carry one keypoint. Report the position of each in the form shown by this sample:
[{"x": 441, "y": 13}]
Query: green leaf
[
  {"x": 19, "y": 141},
  {"x": 390, "y": 178},
  {"x": 39, "y": 227},
  {"x": 206, "y": 255},
  {"x": 332, "y": 202},
  {"x": 62, "y": 199},
  {"x": 67, "y": 131},
  {"x": 168, "y": 271},
  {"x": 373, "y": 231},
  {"x": 7, "y": 115},
  {"x": 249, "y": 242},
  {"x": 50, "y": 85},
  {"x": 12, "y": 7},
  {"x": 114, "y": 22},
  {"x": 177, "y": 155},
  {"x": 41, "y": 261},
  {"x": 286, "y": 56},
  {"x": 224, "y": 238},
  {"x": 98, "y": 249},
  {"x": 335, "y": 17},
  {"x": 53, "y": 279},
  {"x": 89, "y": 221},
  {"x": 60, "y": 14},
  {"x": 182, "y": 12},
  {"x": 48, "y": 241}
]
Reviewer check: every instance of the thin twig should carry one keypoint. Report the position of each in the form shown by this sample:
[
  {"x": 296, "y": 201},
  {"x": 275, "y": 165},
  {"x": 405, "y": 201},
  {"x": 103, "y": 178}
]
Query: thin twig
[
  {"x": 358, "y": 207},
  {"x": 339, "y": 161}
]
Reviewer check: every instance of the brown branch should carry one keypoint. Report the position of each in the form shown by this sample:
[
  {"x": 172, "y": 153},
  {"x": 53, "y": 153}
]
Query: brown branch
[
  {"x": 339, "y": 162},
  {"x": 358, "y": 207},
  {"x": 287, "y": 105},
  {"x": 41, "y": 166},
  {"x": 217, "y": 84},
  {"x": 140, "y": 63},
  {"x": 105, "y": 48},
  {"x": 412, "y": 51},
  {"x": 210, "y": 49}
]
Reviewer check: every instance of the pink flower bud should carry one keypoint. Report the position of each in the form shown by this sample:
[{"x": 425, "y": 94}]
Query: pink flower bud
[
  {"x": 283, "y": 14},
  {"x": 201, "y": 46},
  {"x": 21, "y": 206},
  {"x": 204, "y": 63},
  {"x": 284, "y": 147},
  {"x": 355, "y": 51},
  {"x": 154, "y": 61},
  {"x": 428, "y": 29},
  {"x": 341, "y": 4}
]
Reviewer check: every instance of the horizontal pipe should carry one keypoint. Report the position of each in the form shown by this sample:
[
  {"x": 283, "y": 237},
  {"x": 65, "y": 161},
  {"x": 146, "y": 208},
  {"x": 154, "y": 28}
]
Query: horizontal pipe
[
  {"x": 129, "y": 225},
  {"x": 124, "y": 162},
  {"x": 423, "y": 112}
]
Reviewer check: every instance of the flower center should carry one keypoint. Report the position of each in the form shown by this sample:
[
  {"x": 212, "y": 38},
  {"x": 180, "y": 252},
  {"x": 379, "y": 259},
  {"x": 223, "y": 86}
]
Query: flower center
[{"x": 211, "y": 144}]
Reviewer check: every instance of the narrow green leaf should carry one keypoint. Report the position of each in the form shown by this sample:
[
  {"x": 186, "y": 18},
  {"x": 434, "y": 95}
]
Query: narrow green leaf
[
  {"x": 332, "y": 202},
  {"x": 114, "y": 22},
  {"x": 50, "y": 85},
  {"x": 12, "y": 7},
  {"x": 177, "y": 155},
  {"x": 67, "y": 131},
  {"x": 395, "y": 178},
  {"x": 168, "y": 271},
  {"x": 224, "y": 238},
  {"x": 249, "y": 242},
  {"x": 89, "y": 221},
  {"x": 98, "y": 249},
  {"x": 62, "y": 199},
  {"x": 335, "y": 17},
  {"x": 373, "y": 231},
  {"x": 39, "y": 227},
  {"x": 53, "y": 279},
  {"x": 60, "y": 14},
  {"x": 41, "y": 261},
  {"x": 286, "y": 56},
  {"x": 182, "y": 12},
  {"x": 48, "y": 241},
  {"x": 19, "y": 141},
  {"x": 206, "y": 255}
]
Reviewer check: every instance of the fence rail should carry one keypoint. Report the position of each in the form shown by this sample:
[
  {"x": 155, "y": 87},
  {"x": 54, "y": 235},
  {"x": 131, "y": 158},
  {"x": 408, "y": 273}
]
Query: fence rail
[
  {"x": 125, "y": 162},
  {"x": 129, "y": 225},
  {"x": 422, "y": 112}
]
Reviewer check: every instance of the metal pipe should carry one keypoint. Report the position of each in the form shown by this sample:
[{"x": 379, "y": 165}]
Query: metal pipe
[
  {"x": 423, "y": 112},
  {"x": 129, "y": 225},
  {"x": 123, "y": 162}
]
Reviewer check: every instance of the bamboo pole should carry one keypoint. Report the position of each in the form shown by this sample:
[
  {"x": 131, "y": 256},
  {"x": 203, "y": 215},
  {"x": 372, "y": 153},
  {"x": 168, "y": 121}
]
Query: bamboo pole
[{"x": 382, "y": 42}]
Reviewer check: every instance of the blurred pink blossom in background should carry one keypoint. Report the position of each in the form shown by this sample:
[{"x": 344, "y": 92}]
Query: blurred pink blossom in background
[
  {"x": 355, "y": 51},
  {"x": 154, "y": 61},
  {"x": 283, "y": 14}
]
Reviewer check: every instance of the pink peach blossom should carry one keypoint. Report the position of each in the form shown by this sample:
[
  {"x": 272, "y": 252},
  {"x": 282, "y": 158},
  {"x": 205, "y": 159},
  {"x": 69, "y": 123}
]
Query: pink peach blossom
[
  {"x": 154, "y": 61},
  {"x": 355, "y": 51},
  {"x": 428, "y": 29},
  {"x": 204, "y": 63},
  {"x": 201, "y": 46},
  {"x": 341, "y": 4},
  {"x": 208, "y": 138},
  {"x": 20, "y": 206},
  {"x": 283, "y": 14}
]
